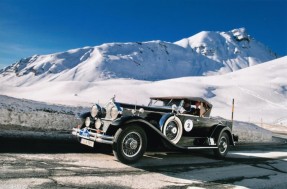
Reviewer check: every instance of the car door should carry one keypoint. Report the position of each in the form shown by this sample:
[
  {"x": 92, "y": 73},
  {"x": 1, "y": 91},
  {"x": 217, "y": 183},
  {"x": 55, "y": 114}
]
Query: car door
[{"x": 195, "y": 126}]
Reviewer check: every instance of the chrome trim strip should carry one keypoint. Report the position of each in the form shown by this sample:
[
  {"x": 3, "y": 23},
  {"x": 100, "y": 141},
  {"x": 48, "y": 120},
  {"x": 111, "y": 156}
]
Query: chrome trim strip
[
  {"x": 104, "y": 119},
  {"x": 97, "y": 135},
  {"x": 104, "y": 136},
  {"x": 202, "y": 147},
  {"x": 100, "y": 138}
]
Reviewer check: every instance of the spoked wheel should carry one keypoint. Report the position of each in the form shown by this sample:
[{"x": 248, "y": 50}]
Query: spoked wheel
[
  {"x": 129, "y": 144},
  {"x": 223, "y": 145},
  {"x": 172, "y": 129}
]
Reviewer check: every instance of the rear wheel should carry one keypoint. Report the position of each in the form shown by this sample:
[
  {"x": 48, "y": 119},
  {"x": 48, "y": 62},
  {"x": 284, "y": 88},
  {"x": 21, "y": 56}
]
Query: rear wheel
[
  {"x": 223, "y": 145},
  {"x": 129, "y": 144}
]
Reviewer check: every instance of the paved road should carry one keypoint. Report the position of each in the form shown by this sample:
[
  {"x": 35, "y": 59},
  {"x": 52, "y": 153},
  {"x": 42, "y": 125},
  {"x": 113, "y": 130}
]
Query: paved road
[{"x": 63, "y": 163}]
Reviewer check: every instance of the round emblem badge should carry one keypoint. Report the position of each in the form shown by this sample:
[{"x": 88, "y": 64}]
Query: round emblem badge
[{"x": 188, "y": 125}]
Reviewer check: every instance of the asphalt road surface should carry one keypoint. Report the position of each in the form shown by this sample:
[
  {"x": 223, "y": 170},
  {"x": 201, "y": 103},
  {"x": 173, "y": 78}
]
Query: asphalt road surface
[{"x": 63, "y": 163}]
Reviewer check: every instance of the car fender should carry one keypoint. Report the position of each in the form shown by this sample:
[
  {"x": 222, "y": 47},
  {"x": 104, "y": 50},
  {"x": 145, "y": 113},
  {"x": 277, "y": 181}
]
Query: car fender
[
  {"x": 163, "y": 120},
  {"x": 84, "y": 115},
  {"x": 121, "y": 123},
  {"x": 219, "y": 129}
]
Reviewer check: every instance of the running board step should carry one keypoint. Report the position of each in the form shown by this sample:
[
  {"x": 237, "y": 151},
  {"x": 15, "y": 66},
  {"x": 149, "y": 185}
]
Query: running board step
[{"x": 201, "y": 147}]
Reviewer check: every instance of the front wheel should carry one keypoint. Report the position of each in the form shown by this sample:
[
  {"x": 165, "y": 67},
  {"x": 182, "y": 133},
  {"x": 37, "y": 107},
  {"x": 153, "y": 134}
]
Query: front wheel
[
  {"x": 129, "y": 144},
  {"x": 223, "y": 145}
]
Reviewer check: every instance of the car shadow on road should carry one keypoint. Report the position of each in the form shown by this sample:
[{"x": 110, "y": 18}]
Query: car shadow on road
[
  {"x": 201, "y": 169},
  {"x": 48, "y": 145}
]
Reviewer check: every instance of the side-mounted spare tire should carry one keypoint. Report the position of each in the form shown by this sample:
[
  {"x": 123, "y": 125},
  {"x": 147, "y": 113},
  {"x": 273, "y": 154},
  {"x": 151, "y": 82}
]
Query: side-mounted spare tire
[
  {"x": 172, "y": 129},
  {"x": 129, "y": 144}
]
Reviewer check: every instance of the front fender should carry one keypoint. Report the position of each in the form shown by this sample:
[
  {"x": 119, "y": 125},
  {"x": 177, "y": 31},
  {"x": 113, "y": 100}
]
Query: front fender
[
  {"x": 121, "y": 121},
  {"x": 163, "y": 120},
  {"x": 84, "y": 115},
  {"x": 138, "y": 121}
]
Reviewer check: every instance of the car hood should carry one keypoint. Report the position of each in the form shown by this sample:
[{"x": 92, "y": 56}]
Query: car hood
[{"x": 166, "y": 109}]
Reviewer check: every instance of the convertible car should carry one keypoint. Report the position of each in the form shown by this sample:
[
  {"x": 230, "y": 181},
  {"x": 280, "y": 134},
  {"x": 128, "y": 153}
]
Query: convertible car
[{"x": 180, "y": 123}]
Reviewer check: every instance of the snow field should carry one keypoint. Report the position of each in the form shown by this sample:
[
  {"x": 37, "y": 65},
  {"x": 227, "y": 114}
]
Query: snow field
[{"x": 259, "y": 92}]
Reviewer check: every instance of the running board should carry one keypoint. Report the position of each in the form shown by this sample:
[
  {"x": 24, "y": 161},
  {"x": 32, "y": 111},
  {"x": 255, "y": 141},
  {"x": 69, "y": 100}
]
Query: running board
[{"x": 201, "y": 147}]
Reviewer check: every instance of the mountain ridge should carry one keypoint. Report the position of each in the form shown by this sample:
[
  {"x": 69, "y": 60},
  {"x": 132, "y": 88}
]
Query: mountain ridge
[
  {"x": 205, "y": 53},
  {"x": 226, "y": 47}
]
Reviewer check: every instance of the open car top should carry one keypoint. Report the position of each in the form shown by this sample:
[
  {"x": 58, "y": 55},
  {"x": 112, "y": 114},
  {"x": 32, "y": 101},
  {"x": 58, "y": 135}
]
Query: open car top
[{"x": 205, "y": 105}]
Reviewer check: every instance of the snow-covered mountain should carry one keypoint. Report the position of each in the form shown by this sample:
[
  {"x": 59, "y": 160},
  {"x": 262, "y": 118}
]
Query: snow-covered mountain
[
  {"x": 235, "y": 49},
  {"x": 202, "y": 54},
  {"x": 153, "y": 60},
  {"x": 260, "y": 91}
]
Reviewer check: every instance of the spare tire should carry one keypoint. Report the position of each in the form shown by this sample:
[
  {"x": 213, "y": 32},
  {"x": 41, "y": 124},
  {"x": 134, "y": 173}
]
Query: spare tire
[{"x": 172, "y": 129}]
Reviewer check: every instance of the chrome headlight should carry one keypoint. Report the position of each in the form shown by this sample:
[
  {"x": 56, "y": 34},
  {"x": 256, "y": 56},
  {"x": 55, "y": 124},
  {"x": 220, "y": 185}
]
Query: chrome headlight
[
  {"x": 114, "y": 112},
  {"x": 87, "y": 122},
  {"x": 98, "y": 124},
  {"x": 95, "y": 110}
]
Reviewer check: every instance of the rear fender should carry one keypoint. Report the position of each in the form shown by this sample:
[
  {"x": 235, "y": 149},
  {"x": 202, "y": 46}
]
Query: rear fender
[{"x": 219, "y": 129}]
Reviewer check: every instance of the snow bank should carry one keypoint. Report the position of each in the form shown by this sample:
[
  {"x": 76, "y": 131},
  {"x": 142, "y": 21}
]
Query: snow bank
[
  {"x": 34, "y": 114},
  {"x": 43, "y": 116},
  {"x": 251, "y": 133}
]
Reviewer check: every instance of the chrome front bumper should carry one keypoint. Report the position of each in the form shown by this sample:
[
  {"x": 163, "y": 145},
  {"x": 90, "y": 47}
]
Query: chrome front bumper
[{"x": 96, "y": 137}]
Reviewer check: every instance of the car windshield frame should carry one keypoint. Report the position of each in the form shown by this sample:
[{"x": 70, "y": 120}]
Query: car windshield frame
[{"x": 165, "y": 102}]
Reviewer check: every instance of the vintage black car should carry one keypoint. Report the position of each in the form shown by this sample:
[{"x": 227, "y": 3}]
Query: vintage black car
[{"x": 181, "y": 123}]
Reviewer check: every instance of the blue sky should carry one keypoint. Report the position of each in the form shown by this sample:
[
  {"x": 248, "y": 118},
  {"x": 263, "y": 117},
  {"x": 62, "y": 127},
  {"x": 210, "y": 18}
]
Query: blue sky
[{"x": 29, "y": 27}]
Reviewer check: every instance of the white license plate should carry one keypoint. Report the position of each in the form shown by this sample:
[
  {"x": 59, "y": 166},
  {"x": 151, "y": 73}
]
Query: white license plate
[{"x": 87, "y": 142}]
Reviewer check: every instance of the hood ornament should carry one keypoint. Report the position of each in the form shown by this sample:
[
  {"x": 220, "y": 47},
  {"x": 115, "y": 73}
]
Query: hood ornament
[{"x": 113, "y": 99}]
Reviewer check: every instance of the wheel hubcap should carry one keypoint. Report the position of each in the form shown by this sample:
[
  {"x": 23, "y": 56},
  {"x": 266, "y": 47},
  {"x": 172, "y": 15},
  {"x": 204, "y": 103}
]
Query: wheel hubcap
[
  {"x": 132, "y": 144},
  {"x": 174, "y": 130},
  {"x": 171, "y": 130},
  {"x": 222, "y": 145}
]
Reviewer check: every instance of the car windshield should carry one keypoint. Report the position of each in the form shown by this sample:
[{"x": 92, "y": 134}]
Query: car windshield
[{"x": 164, "y": 102}]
